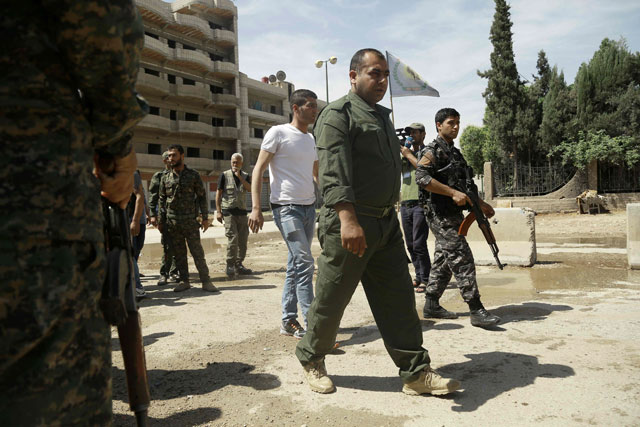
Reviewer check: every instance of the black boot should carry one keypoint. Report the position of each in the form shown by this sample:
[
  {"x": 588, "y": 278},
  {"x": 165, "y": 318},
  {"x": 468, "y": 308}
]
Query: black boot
[
  {"x": 434, "y": 310},
  {"x": 480, "y": 316}
]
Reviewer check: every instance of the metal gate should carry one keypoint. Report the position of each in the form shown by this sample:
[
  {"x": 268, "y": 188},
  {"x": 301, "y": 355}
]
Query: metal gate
[
  {"x": 530, "y": 180},
  {"x": 618, "y": 179}
]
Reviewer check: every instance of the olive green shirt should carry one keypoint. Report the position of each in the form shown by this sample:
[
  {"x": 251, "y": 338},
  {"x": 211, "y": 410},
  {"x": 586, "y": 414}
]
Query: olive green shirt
[{"x": 358, "y": 154}]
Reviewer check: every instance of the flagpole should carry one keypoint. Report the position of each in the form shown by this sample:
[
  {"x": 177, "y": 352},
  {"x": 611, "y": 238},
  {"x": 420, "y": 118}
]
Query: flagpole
[{"x": 393, "y": 119}]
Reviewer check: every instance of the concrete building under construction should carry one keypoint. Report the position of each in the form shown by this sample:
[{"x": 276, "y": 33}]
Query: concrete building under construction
[{"x": 198, "y": 98}]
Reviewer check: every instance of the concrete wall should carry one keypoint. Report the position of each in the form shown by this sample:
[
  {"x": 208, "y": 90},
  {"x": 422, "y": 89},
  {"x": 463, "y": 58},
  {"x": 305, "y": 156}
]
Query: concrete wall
[
  {"x": 515, "y": 233},
  {"x": 633, "y": 235}
]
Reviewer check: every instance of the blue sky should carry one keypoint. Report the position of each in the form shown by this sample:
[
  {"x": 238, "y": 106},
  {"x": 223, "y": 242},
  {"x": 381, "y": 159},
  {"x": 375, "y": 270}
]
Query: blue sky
[{"x": 446, "y": 42}]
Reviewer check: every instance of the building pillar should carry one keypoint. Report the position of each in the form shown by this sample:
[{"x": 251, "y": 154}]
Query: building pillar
[{"x": 487, "y": 181}]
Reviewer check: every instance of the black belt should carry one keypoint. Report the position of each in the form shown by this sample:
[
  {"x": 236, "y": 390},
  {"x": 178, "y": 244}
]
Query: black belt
[
  {"x": 276, "y": 206},
  {"x": 373, "y": 211},
  {"x": 410, "y": 203}
]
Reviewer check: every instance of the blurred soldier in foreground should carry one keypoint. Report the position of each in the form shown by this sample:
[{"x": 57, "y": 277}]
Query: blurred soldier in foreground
[
  {"x": 168, "y": 266},
  {"x": 67, "y": 80}
]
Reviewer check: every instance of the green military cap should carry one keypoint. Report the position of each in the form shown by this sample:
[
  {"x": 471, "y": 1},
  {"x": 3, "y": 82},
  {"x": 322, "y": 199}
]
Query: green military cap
[{"x": 414, "y": 126}]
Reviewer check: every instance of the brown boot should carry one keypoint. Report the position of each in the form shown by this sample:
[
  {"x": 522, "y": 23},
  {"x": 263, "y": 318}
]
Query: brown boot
[
  {"x": 432, "y": 383},
  {"x": 207, "y": 286},
  {"x": 182, "y": 286}
]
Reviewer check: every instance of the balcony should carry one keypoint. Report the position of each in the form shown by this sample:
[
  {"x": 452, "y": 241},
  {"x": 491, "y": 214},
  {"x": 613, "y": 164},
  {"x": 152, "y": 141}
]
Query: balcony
[
  {"x": 223, "y": 69},
  {"x": 217, "y": 7},
  {"x": 150, "y": 161},
  {"x": 191, "y": 59},
  {"x": 155, "y": 11},
  {"x": 255, "y": 142},
  {"x": 198, "y": 93},
  {"x": 224, "y": 37},
  {"x": 191, "y": 26},
  {"x": 155, "y": 124},
  {"x": 225, "y": 132},
  {"x": 256, "y": 86},
  {"x": 148, "y": 84},
  {"x": 194, "y": 128},
  {"x": 155, "y": 49},
  {"x": 224, "y": 100},
  {"x": 267, "y": 117}
]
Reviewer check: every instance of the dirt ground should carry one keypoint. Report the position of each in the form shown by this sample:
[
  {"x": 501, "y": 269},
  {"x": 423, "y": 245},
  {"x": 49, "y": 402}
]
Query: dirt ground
[{"x": 566, "y": 353}]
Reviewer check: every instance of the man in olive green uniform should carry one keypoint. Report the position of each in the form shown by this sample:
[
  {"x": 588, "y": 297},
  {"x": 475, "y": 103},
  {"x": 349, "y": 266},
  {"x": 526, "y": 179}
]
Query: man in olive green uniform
[
  {"x": 360, "y": 234},
  {"x": 231, "y": 210},
  {"x": 168, "y": 266},
  {"x": 67, "y": 89},
  {"x": 181, "y": 191}
]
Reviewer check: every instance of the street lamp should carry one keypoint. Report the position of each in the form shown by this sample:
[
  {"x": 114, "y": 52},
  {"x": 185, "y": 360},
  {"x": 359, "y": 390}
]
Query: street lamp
[{"x": 319, "y": 63}]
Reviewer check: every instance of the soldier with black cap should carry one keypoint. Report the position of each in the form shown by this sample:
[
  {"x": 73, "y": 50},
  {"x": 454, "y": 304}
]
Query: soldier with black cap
[{"x": 414, "y": 224}]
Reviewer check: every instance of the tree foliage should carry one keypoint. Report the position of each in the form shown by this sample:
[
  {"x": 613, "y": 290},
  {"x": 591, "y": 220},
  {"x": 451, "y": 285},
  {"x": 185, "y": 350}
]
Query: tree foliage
[
  {"x": 472, "y": 142},
  {"x": 503, "y": 93},
  {"x": 597, "y": 145}
]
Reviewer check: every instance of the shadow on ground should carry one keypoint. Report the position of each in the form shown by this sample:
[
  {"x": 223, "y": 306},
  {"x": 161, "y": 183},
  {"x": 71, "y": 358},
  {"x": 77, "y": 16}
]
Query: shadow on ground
[
  {"x": 185, "y": 418},
  {"x": 484, "y": 377},
  {"x": 527, "y": 311},
  {"x": 165, "y": 384}
]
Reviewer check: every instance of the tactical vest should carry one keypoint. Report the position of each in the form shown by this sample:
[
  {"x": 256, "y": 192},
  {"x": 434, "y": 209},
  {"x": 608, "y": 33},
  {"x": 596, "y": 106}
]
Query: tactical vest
[
  {"x": 233, "y": 197},
  {"x": 409, "y": 189},
  {"x": 451, "y": 172}
]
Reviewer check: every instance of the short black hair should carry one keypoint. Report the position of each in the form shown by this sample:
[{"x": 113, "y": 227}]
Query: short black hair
[
  {"x": 358, "y": 57},
  {"x": 444, "y": 113},
  {"x": 299, "y": 97},
  {"x": 176, "y": 147}
]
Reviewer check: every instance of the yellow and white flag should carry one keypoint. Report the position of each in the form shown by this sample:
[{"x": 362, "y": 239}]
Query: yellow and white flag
[{"x": 404, "y": 81}]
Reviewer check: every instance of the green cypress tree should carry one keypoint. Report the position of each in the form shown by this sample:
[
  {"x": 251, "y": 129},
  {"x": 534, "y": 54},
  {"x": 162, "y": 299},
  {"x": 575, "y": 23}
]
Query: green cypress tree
[
  {"x": 558, "y": 113},
  {"x": 503, "y": 93}
]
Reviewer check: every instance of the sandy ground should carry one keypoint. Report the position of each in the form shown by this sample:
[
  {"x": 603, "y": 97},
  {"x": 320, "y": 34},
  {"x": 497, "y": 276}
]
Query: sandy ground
[{"x": 566, "y": 353}]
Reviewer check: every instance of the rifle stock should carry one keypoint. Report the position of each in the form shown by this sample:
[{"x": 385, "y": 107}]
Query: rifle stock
[
  {"x": 120, "y": 307},
  {"x": 477, "y": 215}
]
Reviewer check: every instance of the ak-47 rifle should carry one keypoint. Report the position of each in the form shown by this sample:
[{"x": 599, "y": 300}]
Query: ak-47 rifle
[
  {"x": 119, "y": 304},
  {"x": 476, "y": 214},
  {"x": 463, "y": 181}
]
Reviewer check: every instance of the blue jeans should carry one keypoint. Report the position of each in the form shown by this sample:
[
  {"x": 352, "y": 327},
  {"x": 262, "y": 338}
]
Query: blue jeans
[{"x": 296, "y": 224}]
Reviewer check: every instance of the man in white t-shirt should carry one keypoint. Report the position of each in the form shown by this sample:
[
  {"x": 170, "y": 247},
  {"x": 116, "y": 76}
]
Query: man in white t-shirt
[{"x": 290, "y": 152}]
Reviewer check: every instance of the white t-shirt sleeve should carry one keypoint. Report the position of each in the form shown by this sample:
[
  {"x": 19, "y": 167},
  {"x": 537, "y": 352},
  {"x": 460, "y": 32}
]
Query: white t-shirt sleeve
[{"x": 271, "y": 140}]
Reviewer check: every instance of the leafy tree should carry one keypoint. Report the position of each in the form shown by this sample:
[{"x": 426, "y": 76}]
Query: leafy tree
[
  {"x": 597, "y": 145},
  {"x": 558, "y": 113},
  {"x": 503, "y": 91},
  {"x": 472, "y": 143}
]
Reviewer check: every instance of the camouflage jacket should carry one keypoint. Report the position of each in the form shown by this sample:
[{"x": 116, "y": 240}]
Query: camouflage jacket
[
  {"x": 154, "y": 191},
  {"x": 182, "y": 196},
  {"x": 67, "y": 88}
]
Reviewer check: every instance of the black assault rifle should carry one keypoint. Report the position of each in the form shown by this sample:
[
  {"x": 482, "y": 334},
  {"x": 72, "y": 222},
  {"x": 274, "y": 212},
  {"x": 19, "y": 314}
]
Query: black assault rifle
[
  {"x": 465, "y": 184},
  {"x": 476, "y": 214},
  {"x": 120, "y": 308}
]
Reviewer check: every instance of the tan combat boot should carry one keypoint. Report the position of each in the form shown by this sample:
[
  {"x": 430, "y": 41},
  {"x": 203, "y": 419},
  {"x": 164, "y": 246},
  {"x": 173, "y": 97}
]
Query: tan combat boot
[
  {"x": 316, "y": 375},
  {"x": 432, "y": 383},
  {"x": 207, "y": 286}
]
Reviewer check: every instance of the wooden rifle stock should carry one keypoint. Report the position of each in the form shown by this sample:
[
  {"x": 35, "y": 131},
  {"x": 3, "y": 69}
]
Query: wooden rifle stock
[{"x": 130, "y": 335}]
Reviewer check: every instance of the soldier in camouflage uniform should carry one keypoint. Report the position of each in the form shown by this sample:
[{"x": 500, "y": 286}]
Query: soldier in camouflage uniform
[
  {"x": 67, "y": 89},
  {"x": 181, "y": 190},
  {"x": 440, "y": 162},
  {"x": 168, "y": 266}
]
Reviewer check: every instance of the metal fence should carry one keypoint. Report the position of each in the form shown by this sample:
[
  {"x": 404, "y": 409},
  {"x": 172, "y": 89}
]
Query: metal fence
[
  {"x": 618, "y": 179},
  {"x": 530, "y": 180}
]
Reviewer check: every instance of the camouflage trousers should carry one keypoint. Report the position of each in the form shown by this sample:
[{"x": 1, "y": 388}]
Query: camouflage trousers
[
  {"x": 168, "y": 266},
  {"x": 187, "y": 231},
  {"x": 452, "y": 257},
  {"x": 237, "y": 232},
  {"x": 55, "y": 351}
]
